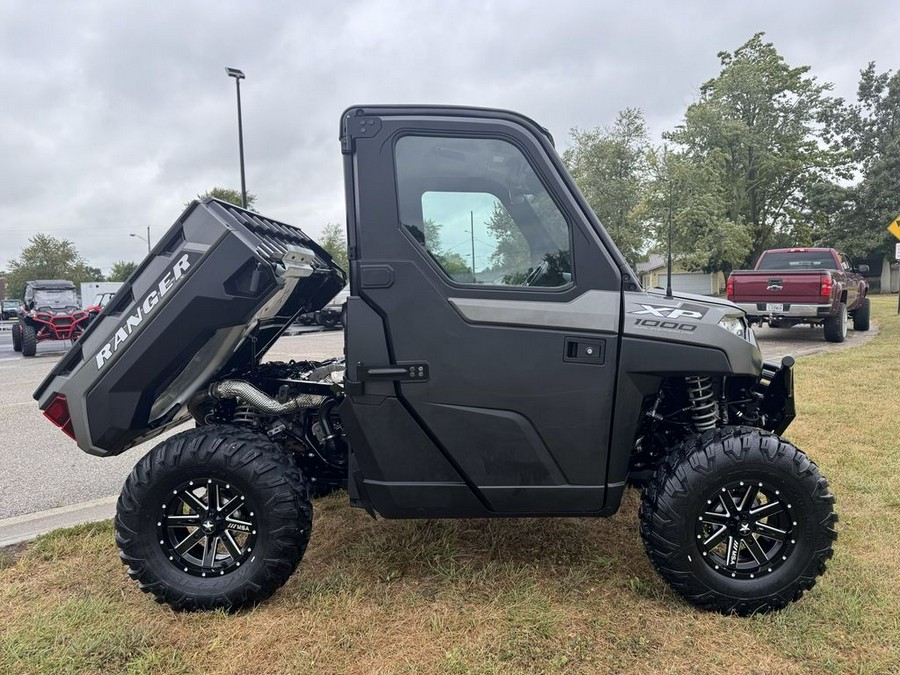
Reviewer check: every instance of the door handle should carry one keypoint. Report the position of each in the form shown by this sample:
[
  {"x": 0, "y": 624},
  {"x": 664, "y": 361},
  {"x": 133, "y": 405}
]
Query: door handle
[{"x": 579, "y": 350}]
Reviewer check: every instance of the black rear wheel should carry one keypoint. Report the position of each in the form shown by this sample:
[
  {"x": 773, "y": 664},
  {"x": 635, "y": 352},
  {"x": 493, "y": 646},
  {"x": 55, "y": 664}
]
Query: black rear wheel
[
  {"x": 738, "y": 521},
  {"x": 29, "y": 340},
  {"x": 215, "y": 517},
  {"x": 836, "y": 326},
  {"x": 17, "y": 337}
]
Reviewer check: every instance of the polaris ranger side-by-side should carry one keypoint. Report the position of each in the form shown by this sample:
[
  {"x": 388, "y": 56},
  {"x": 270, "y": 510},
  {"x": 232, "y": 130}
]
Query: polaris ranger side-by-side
[{"x": 501, "y": 360}]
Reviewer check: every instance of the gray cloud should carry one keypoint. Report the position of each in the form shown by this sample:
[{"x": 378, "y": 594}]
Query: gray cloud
[{"x": 115, "y": 114}]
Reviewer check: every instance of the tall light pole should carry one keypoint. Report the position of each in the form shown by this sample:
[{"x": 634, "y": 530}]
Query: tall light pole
[
  {"x": 238, "y": 76},
  {"x": 137, "y": 236}
]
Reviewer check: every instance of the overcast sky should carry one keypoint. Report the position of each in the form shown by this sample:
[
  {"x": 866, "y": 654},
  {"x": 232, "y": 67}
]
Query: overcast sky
[{"x": 113, "y": 114}]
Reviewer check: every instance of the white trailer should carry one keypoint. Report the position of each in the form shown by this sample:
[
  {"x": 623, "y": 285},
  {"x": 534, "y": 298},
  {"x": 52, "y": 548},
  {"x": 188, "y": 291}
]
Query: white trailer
[{"x": 91, "y": 290}]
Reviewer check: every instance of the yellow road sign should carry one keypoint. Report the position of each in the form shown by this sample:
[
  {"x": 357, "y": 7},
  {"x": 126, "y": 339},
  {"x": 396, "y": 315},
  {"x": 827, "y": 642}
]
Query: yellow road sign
[{"x": 894, "y": 228}]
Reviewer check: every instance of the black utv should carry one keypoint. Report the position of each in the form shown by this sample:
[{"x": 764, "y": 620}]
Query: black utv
[{"x": 501, "y": 361}]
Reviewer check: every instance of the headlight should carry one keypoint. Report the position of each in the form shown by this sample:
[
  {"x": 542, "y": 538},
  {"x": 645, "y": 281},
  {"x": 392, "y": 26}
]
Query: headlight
[{"x": 734, "y": 325}]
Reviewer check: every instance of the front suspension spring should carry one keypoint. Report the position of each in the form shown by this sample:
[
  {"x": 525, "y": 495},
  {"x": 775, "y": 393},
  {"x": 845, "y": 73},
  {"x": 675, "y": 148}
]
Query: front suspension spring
[{"x": 704, "y": 411}]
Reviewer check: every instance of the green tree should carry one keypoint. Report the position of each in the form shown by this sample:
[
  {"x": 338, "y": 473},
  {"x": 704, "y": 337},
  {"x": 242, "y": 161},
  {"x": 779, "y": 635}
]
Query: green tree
[
  {"x": 512, "y": 254},
  {"x": 453, "y": 264},
  {"x": 47, "y": 257},
  {"x": 609, "y": 166},
  {"x": 121, "y": 270},
  {"x": 764, "y": 121},
  {"x": 334, "y": 241},
  {"x": 691, "y": 192},
  {"x": 872, "y": 134},
  {"x": 228, "y": 195}
]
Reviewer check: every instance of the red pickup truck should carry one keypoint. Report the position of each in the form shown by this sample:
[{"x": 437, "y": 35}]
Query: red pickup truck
[{"x": 789, "y": 286}]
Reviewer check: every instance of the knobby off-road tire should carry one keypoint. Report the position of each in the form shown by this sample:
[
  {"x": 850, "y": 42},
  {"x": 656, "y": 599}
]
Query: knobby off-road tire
[
  {"x": 862, "y": 316},
  {"x": 29, "y": 340},
  {"x": 780, "y": 522},
  {"x": 17, "y": 337},
  {"x": 836, "y": 326},
  {"x": 239, "y": 496}
]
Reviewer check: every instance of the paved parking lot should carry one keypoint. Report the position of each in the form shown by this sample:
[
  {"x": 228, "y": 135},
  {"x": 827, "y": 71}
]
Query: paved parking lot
[{"x": 43, "y": 469}]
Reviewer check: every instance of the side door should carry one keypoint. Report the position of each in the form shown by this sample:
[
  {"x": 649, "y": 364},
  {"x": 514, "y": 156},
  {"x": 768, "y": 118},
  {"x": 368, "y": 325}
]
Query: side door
[{"x": 483, "y": 322}]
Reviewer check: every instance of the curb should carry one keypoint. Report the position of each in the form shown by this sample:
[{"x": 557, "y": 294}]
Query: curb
[{"x": 18, "y": 529}]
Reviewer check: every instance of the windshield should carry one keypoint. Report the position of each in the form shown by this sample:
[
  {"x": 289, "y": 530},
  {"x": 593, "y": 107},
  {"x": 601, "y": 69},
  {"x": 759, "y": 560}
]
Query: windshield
[
  {"x": 102, "y": 300},
  {"x": 797, "y": 260},
  {"x": 10, "y": 304},
  {"x": 54, "y": 297}
]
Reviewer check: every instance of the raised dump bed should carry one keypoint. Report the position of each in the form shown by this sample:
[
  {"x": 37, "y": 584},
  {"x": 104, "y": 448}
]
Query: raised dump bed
[{"x": 217, "y": 291}]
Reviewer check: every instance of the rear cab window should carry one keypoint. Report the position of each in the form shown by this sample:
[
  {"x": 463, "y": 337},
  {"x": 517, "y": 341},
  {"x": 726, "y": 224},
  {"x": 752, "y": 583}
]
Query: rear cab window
[{"x": 797, "y": 260}]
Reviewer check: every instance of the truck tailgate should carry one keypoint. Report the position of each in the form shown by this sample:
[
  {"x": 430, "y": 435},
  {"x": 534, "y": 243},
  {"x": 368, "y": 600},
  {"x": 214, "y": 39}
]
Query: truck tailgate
[
  {"x": 217, "y": 291},
  {"x": 778, "y": 286}
]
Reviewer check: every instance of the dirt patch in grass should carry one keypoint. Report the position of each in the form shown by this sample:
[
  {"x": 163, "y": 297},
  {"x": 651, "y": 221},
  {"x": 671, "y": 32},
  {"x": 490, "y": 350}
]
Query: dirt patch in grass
[{"x": 510, "y": 596}]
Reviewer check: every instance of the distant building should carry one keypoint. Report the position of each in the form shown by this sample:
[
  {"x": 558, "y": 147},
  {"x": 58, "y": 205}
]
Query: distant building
[
  {"x": 883, "y": 275},
  {"x": 653, "y": 273}
]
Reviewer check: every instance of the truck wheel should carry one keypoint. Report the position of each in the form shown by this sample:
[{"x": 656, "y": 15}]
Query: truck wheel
[
  {"x": 215, "y": 517},
  {"x": 17, "y": 337},
  {"x": 861, "y": 316},
  {"x": 738, "y": 521},
  {"x": 29, "y": 340},
  {"x": 836, "y": 326}
]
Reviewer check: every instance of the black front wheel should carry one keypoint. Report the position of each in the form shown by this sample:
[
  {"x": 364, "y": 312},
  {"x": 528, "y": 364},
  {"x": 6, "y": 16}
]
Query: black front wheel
[
  {"x": 215, "y": 517},
  {"x": 862, "y": 316},
  {"x": 739, "y": 521},
  {"x": 29, "y": 340}
]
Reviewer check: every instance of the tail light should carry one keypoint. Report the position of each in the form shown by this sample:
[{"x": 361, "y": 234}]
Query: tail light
[
  {"x": 729, "y": 288},
  {"x": 58, "y": 413},
  {"x": 825, "y": 289}
]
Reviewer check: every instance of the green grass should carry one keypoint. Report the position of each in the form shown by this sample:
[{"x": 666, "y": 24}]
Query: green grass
[{"x": 511, "y": 596}]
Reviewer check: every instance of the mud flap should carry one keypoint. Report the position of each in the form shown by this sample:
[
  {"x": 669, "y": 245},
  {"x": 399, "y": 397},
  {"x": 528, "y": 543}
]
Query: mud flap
[{"x": 777, "y": 409}]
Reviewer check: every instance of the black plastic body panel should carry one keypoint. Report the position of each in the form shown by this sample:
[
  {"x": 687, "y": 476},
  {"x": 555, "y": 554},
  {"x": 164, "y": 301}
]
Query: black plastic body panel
[{"x": 217, "y": 291}]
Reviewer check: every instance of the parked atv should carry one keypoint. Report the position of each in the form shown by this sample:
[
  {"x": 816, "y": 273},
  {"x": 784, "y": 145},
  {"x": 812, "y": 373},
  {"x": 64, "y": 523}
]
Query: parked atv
[
  {"x": 49, "y": 311},
  {"x": 333, "y": 314},
  {"x": 538, "y": 383}
]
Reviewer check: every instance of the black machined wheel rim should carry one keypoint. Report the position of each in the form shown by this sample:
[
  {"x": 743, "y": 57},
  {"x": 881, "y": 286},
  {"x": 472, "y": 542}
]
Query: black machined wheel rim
[
  {"x": 748, "y": 529},
  {"x": 207, "y": 527}
]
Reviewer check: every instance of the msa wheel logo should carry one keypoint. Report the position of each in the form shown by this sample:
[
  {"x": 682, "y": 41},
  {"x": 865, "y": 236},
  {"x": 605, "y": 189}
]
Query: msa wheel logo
[{"x": 669, "y": 312}]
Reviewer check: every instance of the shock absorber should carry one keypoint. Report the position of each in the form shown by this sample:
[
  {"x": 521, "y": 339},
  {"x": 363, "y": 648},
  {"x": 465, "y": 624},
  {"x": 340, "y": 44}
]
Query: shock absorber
[
  {"x": 704, "y": 411},
  {"x": 245, "y": 414}
]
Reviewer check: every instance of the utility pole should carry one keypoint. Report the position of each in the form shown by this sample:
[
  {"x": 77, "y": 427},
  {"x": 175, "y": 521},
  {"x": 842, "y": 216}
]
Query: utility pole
[{"x": 472, "y": 233}]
